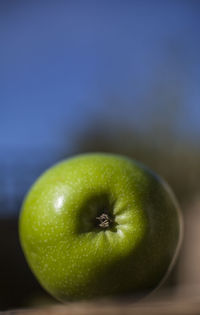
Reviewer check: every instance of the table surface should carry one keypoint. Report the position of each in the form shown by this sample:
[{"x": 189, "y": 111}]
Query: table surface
[{"x": 182, "y": 305}]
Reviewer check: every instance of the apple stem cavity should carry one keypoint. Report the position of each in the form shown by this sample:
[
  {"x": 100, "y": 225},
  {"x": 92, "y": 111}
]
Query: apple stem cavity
[{"x": 104, "y": 221}]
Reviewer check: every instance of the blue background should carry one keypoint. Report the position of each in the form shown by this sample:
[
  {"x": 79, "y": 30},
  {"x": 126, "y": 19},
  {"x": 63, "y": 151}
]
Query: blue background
[{"x": 68, "y": 67}]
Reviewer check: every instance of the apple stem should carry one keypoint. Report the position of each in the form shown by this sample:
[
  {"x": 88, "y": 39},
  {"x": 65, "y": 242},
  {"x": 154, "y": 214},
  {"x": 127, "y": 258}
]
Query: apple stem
[{"x": 104, "y": 220}]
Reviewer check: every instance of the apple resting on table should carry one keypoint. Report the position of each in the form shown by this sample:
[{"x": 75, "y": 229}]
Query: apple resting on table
[{"x": 100, "y": 225}]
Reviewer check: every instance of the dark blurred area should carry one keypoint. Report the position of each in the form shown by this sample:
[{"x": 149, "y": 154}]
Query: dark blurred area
[{"x": 107, "y": 76}]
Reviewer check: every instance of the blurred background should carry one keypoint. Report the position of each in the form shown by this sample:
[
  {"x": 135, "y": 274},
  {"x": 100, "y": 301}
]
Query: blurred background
[{"x": 110, "y": 76}]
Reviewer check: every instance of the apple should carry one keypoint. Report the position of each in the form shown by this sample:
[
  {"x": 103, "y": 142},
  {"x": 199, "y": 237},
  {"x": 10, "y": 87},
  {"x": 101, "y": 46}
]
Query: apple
[{"x": 100, "y": 225}]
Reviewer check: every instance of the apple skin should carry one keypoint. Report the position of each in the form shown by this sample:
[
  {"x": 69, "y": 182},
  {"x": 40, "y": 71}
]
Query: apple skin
[{"x": 72, "y": 256}]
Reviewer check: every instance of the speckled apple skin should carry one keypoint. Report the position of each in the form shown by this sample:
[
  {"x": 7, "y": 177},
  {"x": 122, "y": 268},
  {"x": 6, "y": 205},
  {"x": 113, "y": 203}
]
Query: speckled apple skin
[{"x": 71, "y": 258}]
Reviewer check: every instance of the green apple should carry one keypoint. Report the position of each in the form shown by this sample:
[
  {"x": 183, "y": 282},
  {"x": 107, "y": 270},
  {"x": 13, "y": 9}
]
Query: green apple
[{"x": 100, "y": 225}]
